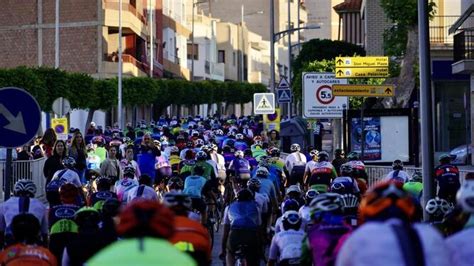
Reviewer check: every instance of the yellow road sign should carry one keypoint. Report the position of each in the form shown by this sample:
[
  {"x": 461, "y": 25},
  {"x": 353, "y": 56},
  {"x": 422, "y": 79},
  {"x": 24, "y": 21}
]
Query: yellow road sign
[
  {"x": 363, "y": 90},
  {"x": 370, "y": 61},
  {"x": 379, "y": 72}
]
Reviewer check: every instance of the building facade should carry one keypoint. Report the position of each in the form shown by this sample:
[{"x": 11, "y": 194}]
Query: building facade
[{"x": 321, "y": 13}]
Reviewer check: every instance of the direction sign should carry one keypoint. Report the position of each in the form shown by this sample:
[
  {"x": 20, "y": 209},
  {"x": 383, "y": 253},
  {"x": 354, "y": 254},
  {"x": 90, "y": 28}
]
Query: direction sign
[
  {"x": 283, "y": 84},
  {"x": 264, "y": 103},
  {"x": 362, "y": 72},
  {"x": 318, "y": 99},
  {"x": 367, "y": 61},
  {"x": 20, "y": 117},
  {"x": 284, "y": 95},
  {"x": 363, "y": 90}
]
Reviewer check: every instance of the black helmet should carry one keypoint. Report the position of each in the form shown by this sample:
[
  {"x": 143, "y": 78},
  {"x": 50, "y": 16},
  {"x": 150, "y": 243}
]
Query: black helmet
[
  {"x": 323, "y": 156},
  {"x": 245, "y": 195},
  {"x": 397, "y": 165}
]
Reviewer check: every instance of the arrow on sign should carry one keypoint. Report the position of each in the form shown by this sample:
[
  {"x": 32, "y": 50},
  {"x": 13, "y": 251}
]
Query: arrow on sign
[
  {"x": 388, "y": 91},
  {"x": 340, "y": 62},
  {"x": 15, "y": 123},
  {"x": 340, "y": 72}
]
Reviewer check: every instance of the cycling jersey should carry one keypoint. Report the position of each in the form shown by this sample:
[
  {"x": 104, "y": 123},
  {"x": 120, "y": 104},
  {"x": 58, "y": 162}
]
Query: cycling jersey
[
  {"x": 322, "y": 174},
  {"x": 286, "y": 245},
  {"x": 186, "y": 166},
  {"x": 460, "y": 247},
  {"x": 10, "y": 208},
  {"x": 252, "y": 162},
  {"x": 228, "y": 157},
  {"x": 346, "y": 185},
  {"x": 268, "y": 188},
  {"x": 122, "y": 188},
  {"x": 193, "y": 185},
  {"x": 240, "y": 145},
  {"x": 262, "y": 201},
  {"x": 68, "y": 176},
  {"x": 305, "y": 213},
  {"x": 414, "y": 188},
  {"x": 376, "y": 243},
  {"x": 141, "y": 251},
  {"x": 220, "y": 164},
  {"x": 447, "y": 177},
  {"x": 141, "y": 192},
  {"x": 295, "y": 159},
  {"x": 27, "y": 255},
  {"x": 257, "y": 151},
  {"x": 279, "y": 225},
  {"x": 93, "y": 161},
  {"x": 208, "y": 169},
  {"x": 98, "y": 198},
  {"x": 397, "y": 175},
  {"x": 174, "y": 162},
  {"x": 191, "y": 237},
  {"x": 241, "y": 167},
  {"x": 242, "y": 215},
  {"x": 61, "y": 218}
]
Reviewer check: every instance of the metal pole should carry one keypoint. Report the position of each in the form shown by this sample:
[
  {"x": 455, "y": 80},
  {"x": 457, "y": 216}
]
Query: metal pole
[
  {"x": 272, "y": 46},
  {"x": 466, "y": 121},
  {"x": 119, "y": 106},
  {"x": 243, "y": 43},
  {"x": 362, "y": 126},
  {"x": 56, "y": 36},
  {"x": 289, "y": 53},
  {"x": 152, "y": 43},
  {"x": 8, "y": 174},
  {"x": 192, "y": 44},
  {"x": 299, "y": 33},
  {"x": 426, "y": 105}
]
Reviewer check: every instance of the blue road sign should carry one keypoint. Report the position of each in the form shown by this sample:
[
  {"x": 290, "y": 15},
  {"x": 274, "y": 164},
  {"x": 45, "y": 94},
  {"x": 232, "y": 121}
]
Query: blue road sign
[
  {"x": 20, "y": 117},
  {"x": 284, "y": 95}
]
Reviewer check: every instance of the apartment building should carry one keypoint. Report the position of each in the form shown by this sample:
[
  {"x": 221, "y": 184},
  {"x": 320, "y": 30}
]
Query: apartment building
[
  {"x": 350, "y": 27},
  {"x": 88, "y": 36},
  {"x": 321, "y": 13},
  {"x": 375, "y": 22},
  {"x": 176, "y": 33}
]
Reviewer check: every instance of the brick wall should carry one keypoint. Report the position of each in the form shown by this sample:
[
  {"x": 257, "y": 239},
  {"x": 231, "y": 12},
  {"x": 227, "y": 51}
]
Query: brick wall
[
  {"x": 16, "y": 13},
  {"x": 18, "y": 48},
  {"x": 376, "y": 22},
  {"x": 70, "y": 10}
]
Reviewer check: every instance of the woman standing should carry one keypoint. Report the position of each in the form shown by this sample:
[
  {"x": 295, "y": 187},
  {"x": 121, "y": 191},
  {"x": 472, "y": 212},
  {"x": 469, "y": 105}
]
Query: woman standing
[
  {"x": 48, "y": 141},
  {"x": 54, "y": 162},
  {"x": 274, "y": 139},
  {"x": 77, "y": 150},
  {"x": 111, "y": 166}
]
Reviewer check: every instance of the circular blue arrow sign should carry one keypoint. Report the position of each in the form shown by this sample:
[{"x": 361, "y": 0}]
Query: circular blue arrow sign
[{"x": 20, "y": 117}]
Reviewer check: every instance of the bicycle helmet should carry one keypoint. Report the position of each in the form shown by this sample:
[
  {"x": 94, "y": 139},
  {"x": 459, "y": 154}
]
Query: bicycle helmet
[
  {"x": 397, "y": 165},
  {"x": 189, "y": 144},
  {"x": 214, "y": 147},
  {"x": 206, "y": 149},
  {"x": 258, "y": 143},
  {"x": 274, "y": 152},
  {"x": 24, "y": 188},
  {"x": 257, "y": 138},
  {"x": 327, "y": 203},
  {"x": 174, "y": 150},
  {"x": 245, "y": 195},
  {"x": 262, "y": 172},
  {"x": 111, "y": 207},
  {"x": 103, "y": 183},
  {"x": 52, "y": 192},
  {"x": 346, "y": 169},
  {"x": 387, "y": 200},
  {"x": 416, "y": 177},
  {"x": 254, "y": 184},
  {"x": 201, "y": 156},
  {"x": 350, "y": 201},
  {"x": 290, "y": 205},
  {"x": 310, "y": 195},
  {"x": 353, "y": 156},
  {"x": 177, "y": 200},
  {"x": 239, "y": 136},
  {"x": 199, "y": 143},
  {"x": 129, "y": 171},
  {"x": 293, "y": 189},
  {"x": 291, "y": 220},
  {"x": 87, "y": 216},
  {"x": 219, "y": 132},
  {"x": 231, "y": 133},
  {"x": 69, "y": 162},
  {"x": 295, "y": 147},
  {"x": 239, "y": 154},
  {"x": 314, "y": 153},
  {"x": 444, "y": 158},
  {"x": 438, "y": 207},
  {"x": 340, "y": 188},
  {"x": 145, "y": 218},
  {"x": 175, "y": 183},
  {"x": 68, "y": 193},
  {"x": 465, "y": 196},
  {"x": 323, "y": 156}
]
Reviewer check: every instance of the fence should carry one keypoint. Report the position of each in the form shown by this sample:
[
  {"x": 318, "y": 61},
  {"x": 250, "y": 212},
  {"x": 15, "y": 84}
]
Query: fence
[{"x": 32, "y": 169}]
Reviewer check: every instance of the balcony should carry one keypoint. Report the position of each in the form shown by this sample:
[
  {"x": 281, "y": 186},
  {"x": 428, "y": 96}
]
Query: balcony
[
  {"x": 173, "y": 68},
  {"x": 131, "y": 66},
  {"x": 463, "y": 52},
  {"x": 439, "y": 30},
  {"x": 218, "y": 71},
  {"x": 132, "y": 20}
]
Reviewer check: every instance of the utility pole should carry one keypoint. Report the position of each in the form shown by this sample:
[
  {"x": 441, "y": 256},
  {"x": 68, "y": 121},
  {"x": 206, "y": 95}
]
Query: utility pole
[
  {"x": 119, "y": 105},
  {"x": 242, "y": 67},
  {"x": 152, "y": 43},
  {"x": 56, "y": 36},
  {"x": 272, "y": 45},
  {"x": 289, "y": 53},
  {"x": 192, "y": 43}
]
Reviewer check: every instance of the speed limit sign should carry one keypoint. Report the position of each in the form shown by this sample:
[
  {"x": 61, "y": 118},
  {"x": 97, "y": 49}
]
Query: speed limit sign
[{"x": 318, "y": 99}]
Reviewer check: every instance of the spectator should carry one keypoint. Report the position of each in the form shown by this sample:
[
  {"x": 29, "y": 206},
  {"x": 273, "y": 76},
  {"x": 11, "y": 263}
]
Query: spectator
[
  {"x": 77, "y": 150},
  {"x": 54, "y": 162},
  {"x": 274, "y": 138},
  {"x": 111, "y": 166},
  {"x": 48, "y": 141}
]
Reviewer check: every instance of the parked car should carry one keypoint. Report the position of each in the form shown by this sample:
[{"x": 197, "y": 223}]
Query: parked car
[{"x": 460, "y": 155}]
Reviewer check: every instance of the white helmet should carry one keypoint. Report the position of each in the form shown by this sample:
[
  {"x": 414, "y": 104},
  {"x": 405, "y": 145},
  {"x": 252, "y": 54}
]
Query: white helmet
[
  {"x": 239, "y": 136},
  {"x": 239, "y": 154},
  {"x": 295, "y": 147}
]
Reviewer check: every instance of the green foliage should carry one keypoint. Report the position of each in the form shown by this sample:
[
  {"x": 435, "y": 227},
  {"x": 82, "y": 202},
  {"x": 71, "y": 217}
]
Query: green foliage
[
  {"x": 28, "y": 79},
  {"x": 81, "y": 88}
]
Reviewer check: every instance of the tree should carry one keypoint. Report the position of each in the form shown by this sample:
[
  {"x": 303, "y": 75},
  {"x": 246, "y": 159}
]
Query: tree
[{"x": 402, "y": 40}]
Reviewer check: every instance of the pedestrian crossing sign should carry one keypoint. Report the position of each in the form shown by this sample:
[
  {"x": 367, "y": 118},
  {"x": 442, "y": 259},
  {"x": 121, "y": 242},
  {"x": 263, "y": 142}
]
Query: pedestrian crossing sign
[
  {"x": 264, "y": 103},
  {"x": 284, "y": 95}
]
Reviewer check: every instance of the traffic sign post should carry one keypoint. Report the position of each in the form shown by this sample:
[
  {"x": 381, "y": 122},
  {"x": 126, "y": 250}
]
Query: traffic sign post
[
  {"x": 61, "y": 106},
  {"x": 264, "y": 103},
  {"x": 318, "y": 98},
  {"x": 362, "y": 72},
  {"x": 363, "y": 90},
  {"x": 19, "y": 123},
  {"x": 284, "y": 92}
]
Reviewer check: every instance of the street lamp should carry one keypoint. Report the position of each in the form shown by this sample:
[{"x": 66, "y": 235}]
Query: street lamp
[
  {"x": 192, "y": 38},
  {"x": 242, "y": 64}
]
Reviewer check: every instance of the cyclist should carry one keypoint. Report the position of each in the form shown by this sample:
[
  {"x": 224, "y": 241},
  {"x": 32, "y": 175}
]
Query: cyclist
[
  {"x": 276, "y": 161},
  {"x": 286, "y": 245},
  {"x": 26, "y": 249},
  {"x": 287, "y": 205},
  {"x": 240, "y": 143},
  {"x": 68, "y": 174},
  {"x": 438, "y": 209},
  {"x": 189, "y": 147},
  {"x": 175, "y": 184},
  {"x": 23, "y": 201},
  {"x": 257, "y": 148},
  {"x": 124, "y": 185},
  {"x": 128, "y": 160},
  {"x": 447, "y": 177},
  {"x": 249, "y": 157},
  {"x": 263, "y": 202},
  {"x": 193, "y": 186},
  {"x": 311, "y": 165},
  {"x": 351, "y": 209},
  {"x": 144, "y": 190},
  {"x": 305, "y": 210},
  {"x": 241, "y": 223},
  {"x": 220, "y": 161},
  {"x": 146, "y": 227},
  {"x": 294, "y": 192},
  {"x": 345, "y": 184},
  {"x": 339, "y": 159},
  {"x": 460, "y": 244},
  {"x": 103, "y": 193},
  {"x": 322, "y": 173},
  {"x": 174, "y": 159},
  {"x": 414, "y": 186},
  {"x": 267, "y": 188},
  {"x": 241, "y": 169},
  {"x": 295, "y": 165},
  {"x": 201, "y": 160},
  {"x": 397, "y": 174},
  {"x": 190, "y": 236},
  {"x": 329, "y": 227},
  {"x": 358, "y": 171},
  {"x": 386, "y": 211},
  {"x": 61, "y": 220},
  {"x": 52, "y": 192}
]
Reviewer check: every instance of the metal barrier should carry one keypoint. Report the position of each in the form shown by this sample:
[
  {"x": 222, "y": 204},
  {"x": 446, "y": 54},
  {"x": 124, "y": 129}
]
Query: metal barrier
[
  {"x": 31, "y": 169},
  {"x": 376, "y": 173}
]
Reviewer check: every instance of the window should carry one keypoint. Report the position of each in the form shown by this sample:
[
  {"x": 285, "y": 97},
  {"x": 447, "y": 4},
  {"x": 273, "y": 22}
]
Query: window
[
  {"x": 190, "y": 51},
  {"x": 221, "y": 56}
]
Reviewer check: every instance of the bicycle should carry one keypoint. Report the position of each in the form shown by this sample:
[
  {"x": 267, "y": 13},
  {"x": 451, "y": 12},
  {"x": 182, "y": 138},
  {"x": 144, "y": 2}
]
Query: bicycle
[{"x": 239, "y": 256}]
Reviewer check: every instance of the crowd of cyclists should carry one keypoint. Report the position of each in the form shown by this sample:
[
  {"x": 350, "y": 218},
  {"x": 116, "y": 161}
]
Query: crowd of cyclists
[{"x": 157, "y": 193}]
